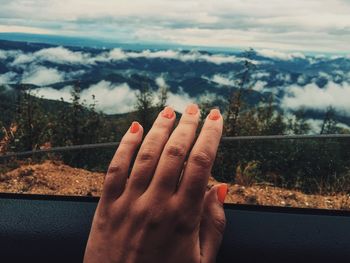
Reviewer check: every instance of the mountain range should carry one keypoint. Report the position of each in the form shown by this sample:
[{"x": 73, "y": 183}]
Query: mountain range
[{"x": 313, "y": 82}]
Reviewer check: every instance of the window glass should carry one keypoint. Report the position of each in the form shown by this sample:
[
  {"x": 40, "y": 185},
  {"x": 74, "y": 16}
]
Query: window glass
[{"x": 73, "y": 77}]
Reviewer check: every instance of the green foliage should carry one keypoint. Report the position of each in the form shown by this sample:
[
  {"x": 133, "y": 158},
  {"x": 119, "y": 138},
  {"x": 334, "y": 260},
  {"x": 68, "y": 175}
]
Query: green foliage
[
  {"x": 313, "y": 166},
  {"x": 80, "y": 124},
  {"x": 298, "y": 124},
  {"x": 32, "y": 123},
  {"x": 146, "y": 106}
]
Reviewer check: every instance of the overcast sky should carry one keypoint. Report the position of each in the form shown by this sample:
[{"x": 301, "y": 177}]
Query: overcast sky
[{"x": 296, "y": 25}]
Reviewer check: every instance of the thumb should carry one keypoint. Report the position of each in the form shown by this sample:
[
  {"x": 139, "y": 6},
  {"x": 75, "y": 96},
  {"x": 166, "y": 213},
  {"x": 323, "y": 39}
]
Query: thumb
[{"x": 213, "y": 223}]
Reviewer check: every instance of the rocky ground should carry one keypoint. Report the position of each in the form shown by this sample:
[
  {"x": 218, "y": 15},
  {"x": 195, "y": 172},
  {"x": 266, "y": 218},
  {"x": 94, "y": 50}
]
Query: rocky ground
[
  {"x": 55, "y": 178},
  {"x": 52, "y": 178}
]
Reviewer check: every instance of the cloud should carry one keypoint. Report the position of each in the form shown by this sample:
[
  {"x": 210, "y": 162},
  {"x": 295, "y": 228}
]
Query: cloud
[
  {"x": 58, "y": 55},
  {"x": 284, "y": 77},
  {"x": 3, "y": 54},
  {"x": 260, "y": 75},
  {"x": 7, "y": 78},
  {"x": 223, "y": 80},
  {"x": 111, "y": 99},
  {"x": 53, "y": 94},
  {"x": 192, "y": 56},
  {"x": 7, "y": 54},
  {"x": 180, "y": 100},
  {"x": 275, "y": 54},
  {"x": 42, "y": 76},
  {"x": 302, "y": 79},
  {"x": 288, "y": 25},
  {"x": 259, "y": 86},
  {"x": 316, "y": 125},
  {"x": 160, "y": 81},
  {"x": 62, "y": 55},
  {"x": 313, "y": 97}
]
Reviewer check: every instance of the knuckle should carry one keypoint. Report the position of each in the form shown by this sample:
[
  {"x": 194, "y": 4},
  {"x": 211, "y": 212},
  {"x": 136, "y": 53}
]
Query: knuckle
[
  {"x": 202, "y": 159},
  {"x": 138, "y": 213},
  {"x": 115, "y": 168},
  {"x": 146, "y": 154},
  {"x": 161, "y": 125},
  {"x": 185, "y": 224},
  {"x": 156, "y": 215},
  {"x": 189, "y": 121},
  {"x": 128, "y": 142},
  {"x": 154, "y": 135},
  {"x": 102, "y": 218},
  {"x": 216, "y": 130},
  {"x": 155, "y": 220},
  {"x": 176, "y": 151}
]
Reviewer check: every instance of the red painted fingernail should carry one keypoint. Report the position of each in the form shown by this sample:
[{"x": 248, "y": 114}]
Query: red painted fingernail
[
  {"x": 214, "y": 114},
  {"x": 192, "y": 109},
  {"x": 135, "y": 127},
  {"x": 168, "y": 113},
  {"x": 222, "y": 192}
]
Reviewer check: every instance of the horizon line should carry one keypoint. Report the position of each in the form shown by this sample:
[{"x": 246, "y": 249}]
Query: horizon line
[{"x": 106, "y": 43}]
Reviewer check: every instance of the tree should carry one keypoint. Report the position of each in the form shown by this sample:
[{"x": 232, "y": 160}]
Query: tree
[
  {"x": 298, "y": 124},
  {"x": 236, "y": 100},
  {"x": 163, "y": 97},
  {"x": 78, "y": 123},
  {"x": 329, "y": 125},
  {"x": 144, "y": 106},
  {"x": 32, "y": 123}
]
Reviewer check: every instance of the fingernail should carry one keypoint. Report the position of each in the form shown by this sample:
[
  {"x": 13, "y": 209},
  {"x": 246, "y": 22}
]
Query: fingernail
[
  {"x": 135, "y": 127},
  {"x": 168, "y": 113},
  {"x": 192, "y": 109},
  {"x": 214, "y": 114},
  {"x": 222, "y": 192}
]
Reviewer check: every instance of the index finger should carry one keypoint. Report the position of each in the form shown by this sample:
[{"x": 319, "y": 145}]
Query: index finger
[{"x": 192, "y": 187}]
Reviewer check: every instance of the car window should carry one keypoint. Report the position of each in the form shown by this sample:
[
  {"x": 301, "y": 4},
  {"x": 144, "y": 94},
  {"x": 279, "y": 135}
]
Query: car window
[{"x": 72, "y": 80}]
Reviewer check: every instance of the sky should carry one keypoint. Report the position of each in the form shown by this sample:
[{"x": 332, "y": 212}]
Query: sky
[{"x": 297, "y": 25}]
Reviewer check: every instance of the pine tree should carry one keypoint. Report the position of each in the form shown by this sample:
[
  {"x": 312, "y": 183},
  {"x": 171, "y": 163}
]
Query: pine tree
[
  {"x": 298, "y": 124},
  {"x": 236, "y": 100},
  {"x": 162, "y": 97},
  {"x": 145, "y": 106},
  {"x": 329, "y": 125}
]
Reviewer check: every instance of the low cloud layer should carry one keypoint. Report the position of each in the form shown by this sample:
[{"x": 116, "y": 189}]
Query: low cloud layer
[
  {"x": 111, "y": 98},
  {"x": 61, "y": 55},
  {"x": 41, "y": 76},
  {"x": 58, "y": 55},
  {"x": 7, "y": 78},
  {"x": 313, "y": 97},
  {"x": 275, "y": 54}
]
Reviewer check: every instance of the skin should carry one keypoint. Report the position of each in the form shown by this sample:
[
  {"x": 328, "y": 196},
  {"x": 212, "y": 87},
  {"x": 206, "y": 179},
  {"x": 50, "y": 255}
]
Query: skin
[{"x": 161, "y": 211}]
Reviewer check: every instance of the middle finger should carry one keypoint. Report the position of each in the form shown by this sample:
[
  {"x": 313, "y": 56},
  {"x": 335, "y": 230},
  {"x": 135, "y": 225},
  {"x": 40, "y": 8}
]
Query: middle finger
[{"x": 171, "y": 162}]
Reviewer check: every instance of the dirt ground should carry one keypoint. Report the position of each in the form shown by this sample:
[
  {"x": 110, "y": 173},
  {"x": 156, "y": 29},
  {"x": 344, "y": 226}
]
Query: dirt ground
[
  {"x": 52, "y": 178},
  {"x": 55, "y": 178}
]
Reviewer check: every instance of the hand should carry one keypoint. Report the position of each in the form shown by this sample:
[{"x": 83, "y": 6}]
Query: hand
[{"x": 161, "y": 212}]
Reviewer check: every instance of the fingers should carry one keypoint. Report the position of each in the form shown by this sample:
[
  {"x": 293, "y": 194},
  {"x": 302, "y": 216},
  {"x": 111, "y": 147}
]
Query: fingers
[
  {"x": 171, "y": 162},
  {"x": 117, "y": 173},
  {"x": 213, "y": 223},
  {"x": 149, "y": 153},
  {"x": 195, "y": 178}
]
